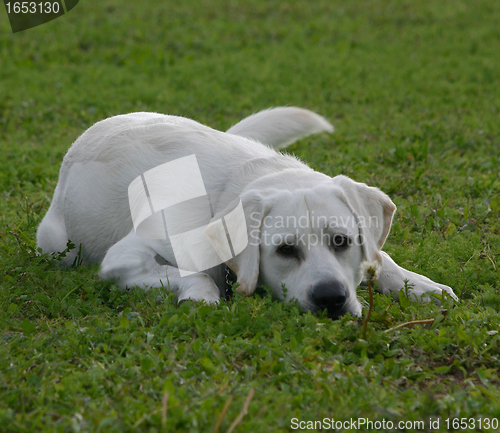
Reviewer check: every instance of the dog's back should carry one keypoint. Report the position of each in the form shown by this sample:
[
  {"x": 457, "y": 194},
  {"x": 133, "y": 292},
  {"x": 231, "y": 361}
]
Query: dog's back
[{"x": 90, "y": 204}]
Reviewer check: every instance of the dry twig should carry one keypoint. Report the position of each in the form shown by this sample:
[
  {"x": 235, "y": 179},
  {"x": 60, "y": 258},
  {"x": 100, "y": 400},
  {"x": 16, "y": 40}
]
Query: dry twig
[
  {"x": 413, "y": 322},
  {"x": 164, "y": 409},
  {"x": 221, "y": 416},
  {"x": 243, "y": 411}
]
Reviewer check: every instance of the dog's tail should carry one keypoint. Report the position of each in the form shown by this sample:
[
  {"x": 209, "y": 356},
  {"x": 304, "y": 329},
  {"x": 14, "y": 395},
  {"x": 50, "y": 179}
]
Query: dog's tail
[{"x": 278, "y": 127}]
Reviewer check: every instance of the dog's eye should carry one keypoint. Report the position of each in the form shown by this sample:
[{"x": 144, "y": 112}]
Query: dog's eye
[
  {"x": 287, "y": 250},
  {"x": 341, "y": 242}
]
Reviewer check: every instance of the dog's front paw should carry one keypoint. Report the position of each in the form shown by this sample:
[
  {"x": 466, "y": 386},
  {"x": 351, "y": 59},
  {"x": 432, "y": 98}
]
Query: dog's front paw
[
  {"x": 199, "y": 298},
  {"x": 424, "y": 288},
  {"x": 200, "y": 288}
]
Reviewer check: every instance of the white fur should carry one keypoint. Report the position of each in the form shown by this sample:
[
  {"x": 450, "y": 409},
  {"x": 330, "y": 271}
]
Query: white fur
[
  {"x": 90, "y": 207},
  {"x": 281, "y": 126}
]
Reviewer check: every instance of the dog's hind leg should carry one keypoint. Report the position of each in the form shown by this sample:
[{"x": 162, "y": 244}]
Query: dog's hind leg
[
  {"x": 134, "y": 262},
  {"x": 51, "y": 235},
  {"x": 278, "y": 127}
]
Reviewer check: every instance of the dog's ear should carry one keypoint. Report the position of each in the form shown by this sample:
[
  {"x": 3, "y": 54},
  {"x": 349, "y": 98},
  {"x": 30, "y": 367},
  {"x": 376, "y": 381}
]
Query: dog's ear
[
  {"x": 245, "y": 261},
  {"x": 373, "y": 210}
]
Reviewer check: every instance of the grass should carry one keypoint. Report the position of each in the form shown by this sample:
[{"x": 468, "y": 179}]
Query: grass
[{"x": 412, "y": 88}]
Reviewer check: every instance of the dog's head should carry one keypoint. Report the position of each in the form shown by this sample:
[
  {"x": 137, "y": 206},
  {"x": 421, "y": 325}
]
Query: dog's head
[{"x": 312, "y": 239}]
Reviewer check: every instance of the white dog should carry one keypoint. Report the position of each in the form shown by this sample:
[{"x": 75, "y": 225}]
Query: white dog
[{"x": 304, "y": 230}]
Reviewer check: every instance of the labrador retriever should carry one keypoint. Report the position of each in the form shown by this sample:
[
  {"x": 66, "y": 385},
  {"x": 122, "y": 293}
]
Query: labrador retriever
[{"x": 162, "y": 200}]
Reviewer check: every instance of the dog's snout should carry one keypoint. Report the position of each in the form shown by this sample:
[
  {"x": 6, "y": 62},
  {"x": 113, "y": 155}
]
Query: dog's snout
[{"x": 330, "y": 295}]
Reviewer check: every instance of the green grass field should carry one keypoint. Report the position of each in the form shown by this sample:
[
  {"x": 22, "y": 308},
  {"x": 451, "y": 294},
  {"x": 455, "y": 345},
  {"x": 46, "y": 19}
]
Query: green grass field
[{"x": 412, "y": 88}]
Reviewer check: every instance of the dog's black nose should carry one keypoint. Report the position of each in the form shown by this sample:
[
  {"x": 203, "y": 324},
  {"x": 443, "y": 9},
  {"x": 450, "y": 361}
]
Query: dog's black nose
[{"x": 332, "y": 296}]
